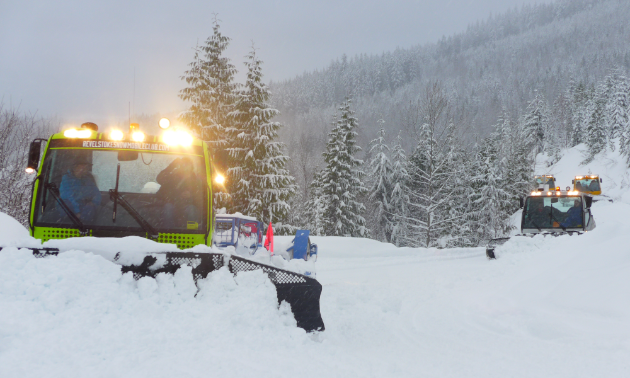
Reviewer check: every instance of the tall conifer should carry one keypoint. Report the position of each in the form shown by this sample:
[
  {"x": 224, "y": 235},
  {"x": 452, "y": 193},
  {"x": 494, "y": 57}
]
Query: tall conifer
[{"x": 261, "y": 183}]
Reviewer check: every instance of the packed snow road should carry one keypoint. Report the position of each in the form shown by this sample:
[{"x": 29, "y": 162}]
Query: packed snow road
[{"x": 554, "y": 307}]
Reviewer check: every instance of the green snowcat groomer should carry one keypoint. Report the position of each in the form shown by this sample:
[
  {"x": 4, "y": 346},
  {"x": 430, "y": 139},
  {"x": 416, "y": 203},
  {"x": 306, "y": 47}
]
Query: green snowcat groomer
[{"x": 125, "y": 172}]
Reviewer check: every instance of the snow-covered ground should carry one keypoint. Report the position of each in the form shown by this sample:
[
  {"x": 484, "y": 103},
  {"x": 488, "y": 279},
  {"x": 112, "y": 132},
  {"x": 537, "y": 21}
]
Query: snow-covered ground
[{"x": 547, "y": 307}]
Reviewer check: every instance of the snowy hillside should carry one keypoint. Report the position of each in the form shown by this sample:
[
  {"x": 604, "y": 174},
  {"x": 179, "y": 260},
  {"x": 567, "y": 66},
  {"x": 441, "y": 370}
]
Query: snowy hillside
[
  {"x": 547, "y": 307},
  {"x": 608, "y": 165}
]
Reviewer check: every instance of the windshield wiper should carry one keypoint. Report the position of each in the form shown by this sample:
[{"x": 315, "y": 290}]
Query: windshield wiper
[
  {"x": 535, "y": 225},
  {"x": 559, "y": 224},
  {"x": 73, "y": 217},
  {"x": 115, "y": 196}
]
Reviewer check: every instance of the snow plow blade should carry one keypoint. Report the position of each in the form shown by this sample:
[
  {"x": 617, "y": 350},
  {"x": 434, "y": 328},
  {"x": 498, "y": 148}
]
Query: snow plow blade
[
  {"x": 301, "y": 292},
  {"x": 492, "y": 244}
]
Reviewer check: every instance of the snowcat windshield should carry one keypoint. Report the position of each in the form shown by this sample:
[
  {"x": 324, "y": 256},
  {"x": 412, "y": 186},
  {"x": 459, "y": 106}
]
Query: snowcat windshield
[
  {"x": 553, "y": 212},
  {"x": 545, "y": 180},
  {"x": 587, "y": 185},
  {"x": 167, "y": 190}
]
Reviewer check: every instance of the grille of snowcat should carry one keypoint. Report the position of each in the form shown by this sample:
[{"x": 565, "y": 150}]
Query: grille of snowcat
[
  {"x": 182, "y": 241},
  {"x": 59, "y": 233}
]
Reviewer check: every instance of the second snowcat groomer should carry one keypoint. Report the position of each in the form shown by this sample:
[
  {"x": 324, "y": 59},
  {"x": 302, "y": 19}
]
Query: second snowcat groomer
[{"x": 554, "y": 212}]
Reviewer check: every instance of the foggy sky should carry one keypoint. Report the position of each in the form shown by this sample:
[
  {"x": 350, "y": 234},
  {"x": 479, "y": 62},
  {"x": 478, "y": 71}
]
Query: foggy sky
[{"x": 76, "y": 60}]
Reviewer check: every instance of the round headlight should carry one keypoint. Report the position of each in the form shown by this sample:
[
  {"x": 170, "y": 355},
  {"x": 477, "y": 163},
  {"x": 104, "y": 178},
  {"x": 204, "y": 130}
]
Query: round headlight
[
  {"x": 219, "y": 179},
  {"x": 164, "y": 123}
]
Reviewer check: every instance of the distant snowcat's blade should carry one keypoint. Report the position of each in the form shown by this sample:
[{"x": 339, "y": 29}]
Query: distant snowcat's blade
[
  {"x": 301, "y": 292},
  {"x": 492, "y": 244}
]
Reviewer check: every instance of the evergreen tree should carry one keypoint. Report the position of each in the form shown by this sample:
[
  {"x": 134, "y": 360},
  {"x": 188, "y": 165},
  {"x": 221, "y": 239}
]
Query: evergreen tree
[
  {"x": 380, "y": 190},
  {"x": 211, "y": 90},
  {"x": 618, "y": 110},
  {"x": 315, "y": 207},
  {"x": 262, "y": 185},
  {"x": 399, "y": 200},
  {"x": 341, "y": 179},
  {"x": 579, "y": 96},
  {"x": 596, "y": 138},
  {"x": 431, "y": 187},
  {"x": 536, "y": 123},
  {"x": 493, "y": 202}
]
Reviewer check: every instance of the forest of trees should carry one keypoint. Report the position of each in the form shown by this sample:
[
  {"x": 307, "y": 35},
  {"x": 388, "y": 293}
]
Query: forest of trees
[
  {"x": 496, "y": 65},
  {"x": 449, "y": 192}
]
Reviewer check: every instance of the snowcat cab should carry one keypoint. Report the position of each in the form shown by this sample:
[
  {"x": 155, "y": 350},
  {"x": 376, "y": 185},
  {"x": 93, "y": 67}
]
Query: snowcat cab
[
  {"x": 545, "y": 183},
  {"x": 590, "y": 184},
  {"x": 159, "y": 187},
  {"x": 557, "y": 212},
  {"x": 554, "y": 212},
  {"x": 123, "y": 173}
]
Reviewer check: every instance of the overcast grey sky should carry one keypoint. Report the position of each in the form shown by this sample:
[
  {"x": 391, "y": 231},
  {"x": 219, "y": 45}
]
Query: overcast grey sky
[{"x": 76, "y": 58}]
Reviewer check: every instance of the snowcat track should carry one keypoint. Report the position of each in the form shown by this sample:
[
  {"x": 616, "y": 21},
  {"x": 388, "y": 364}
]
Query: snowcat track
[{"x": 302, "y": 293}]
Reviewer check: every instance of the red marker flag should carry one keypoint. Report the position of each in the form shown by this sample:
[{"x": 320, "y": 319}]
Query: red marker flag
[{"x": 269, "y": 239}]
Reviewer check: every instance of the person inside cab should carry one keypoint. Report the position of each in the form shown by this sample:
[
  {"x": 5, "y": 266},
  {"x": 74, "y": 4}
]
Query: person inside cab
[
  {"x": 179, "y": 193},
  {"x": 574, "y": 215},
  {"x": 79, "y": 191},
  {"x": 537, "y": 214},
  {"x": 578, "y": 186}
]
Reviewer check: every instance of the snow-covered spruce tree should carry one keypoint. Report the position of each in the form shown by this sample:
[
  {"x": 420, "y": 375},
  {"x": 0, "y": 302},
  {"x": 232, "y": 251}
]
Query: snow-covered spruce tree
[
  {"x": 493, "y": 201},
  {"x": 536, "y": 122},
  {"x": 315, "y": 207},
  {"x": 457, "y": 205},
  {"x": 431, "y": 170},
  {"x": 516, "y": 151},
  {"x": 399, "y": 199},
  {"x": 430, "y": 189},
  {"x": 211, "y": 90},
  {"x": 595, "y": 130},
  {"x": 212, "y": 93},
  {"x": 579, "y": 96},
  {"x": 261, "y": 184},
  {"x": 342, "y": 179},
  {"x": 618, "y": 113},
  {"x": 380, "y": 189}
]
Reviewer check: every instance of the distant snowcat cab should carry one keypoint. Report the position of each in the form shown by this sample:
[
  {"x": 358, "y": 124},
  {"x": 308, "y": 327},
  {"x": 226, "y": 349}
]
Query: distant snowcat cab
[
  {"x": 557, "y": 212},
  {"x": 545, "y": 182},
  {"x": 554, "y": 212},
  {"x": 589, "y": 184}
]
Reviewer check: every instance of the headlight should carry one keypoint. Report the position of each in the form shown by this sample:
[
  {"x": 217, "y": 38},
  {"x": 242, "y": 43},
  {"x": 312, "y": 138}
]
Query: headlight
[
  {"x": 177, "y": 138},
  {"x": 30, "y": 170},
  {"x": 116, "y": 135},
  {"x": 137, "y": 136},
  {"x": 219, "y": 179},
  {"x": 74, "y": 133},
  {"x": 164, "y": 123}
]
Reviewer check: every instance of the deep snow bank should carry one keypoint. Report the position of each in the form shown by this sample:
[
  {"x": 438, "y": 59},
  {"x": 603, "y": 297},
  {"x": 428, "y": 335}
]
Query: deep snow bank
[{"x": 76, "y": 315}]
